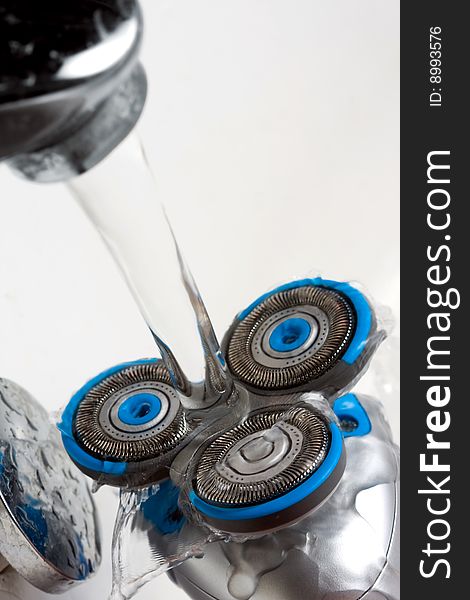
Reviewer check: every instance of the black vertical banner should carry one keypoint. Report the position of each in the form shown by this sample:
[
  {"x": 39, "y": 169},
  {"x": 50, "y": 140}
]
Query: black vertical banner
[{"x": 435, "y": 236}]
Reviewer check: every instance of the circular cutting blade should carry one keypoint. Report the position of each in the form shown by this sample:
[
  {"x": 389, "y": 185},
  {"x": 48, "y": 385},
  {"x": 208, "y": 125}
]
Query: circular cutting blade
[
  {"x": 106, "y": 429},
  {"x": 290, "y": 338},
  {"x": 268, "y": 454}
]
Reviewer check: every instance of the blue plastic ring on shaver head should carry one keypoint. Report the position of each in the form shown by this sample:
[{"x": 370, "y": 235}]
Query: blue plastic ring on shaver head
[
  {"x": 290, "y": 335},
  {"x": 140, "y": 409}
]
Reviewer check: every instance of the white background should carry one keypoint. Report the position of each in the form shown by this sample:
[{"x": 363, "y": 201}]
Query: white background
[{"x": 272, "y": 126}]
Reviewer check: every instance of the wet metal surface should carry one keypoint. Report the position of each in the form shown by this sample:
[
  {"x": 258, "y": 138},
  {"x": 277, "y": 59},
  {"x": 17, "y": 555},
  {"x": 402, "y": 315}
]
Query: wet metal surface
[{"x": 48, "y": 528}]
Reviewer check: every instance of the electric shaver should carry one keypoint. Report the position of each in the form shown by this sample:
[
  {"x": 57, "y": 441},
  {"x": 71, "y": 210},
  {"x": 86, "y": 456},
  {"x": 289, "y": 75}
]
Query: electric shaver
[{"x": 296, "y": 474}]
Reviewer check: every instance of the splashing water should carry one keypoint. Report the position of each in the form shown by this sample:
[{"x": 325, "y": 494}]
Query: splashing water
[{"x": 151, "y": 536}]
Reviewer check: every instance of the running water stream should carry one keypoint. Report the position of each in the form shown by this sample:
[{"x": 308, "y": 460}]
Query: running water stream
[{"x": 120, "y": 197}]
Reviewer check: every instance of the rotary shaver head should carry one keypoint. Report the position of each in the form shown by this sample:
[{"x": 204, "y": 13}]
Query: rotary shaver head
[
  {"x": 312, "y": 334},
  {"x": 284, "y": 458},
  {"x": 70, "y": 85},
  {"x": 269, "y": 471},
  {"x": 347, "y": 549},
  {"x": 124, "y": 426}
]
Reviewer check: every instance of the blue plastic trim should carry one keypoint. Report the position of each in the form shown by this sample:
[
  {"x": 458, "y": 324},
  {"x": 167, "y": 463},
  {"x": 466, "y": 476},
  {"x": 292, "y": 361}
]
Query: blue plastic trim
[
  {"x": 290, "y": 334},
  {"x": 129, "y": 410},
  {"x": 363, "y": 311},
  {"x": 66, "y": 424},
  {"x": 278, "y": 504},
  {"x": 349, "y": 407},
  {"x": 161, "y": 509}
]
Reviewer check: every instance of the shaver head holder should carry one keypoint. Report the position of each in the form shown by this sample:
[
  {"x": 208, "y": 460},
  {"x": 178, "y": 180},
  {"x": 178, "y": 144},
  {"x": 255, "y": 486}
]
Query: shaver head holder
[
  {"x": 311, "y": 336},
  {"x": 314, "y": 338}
]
